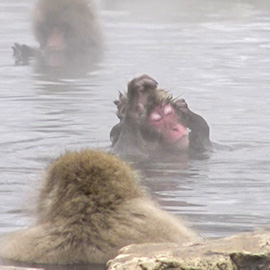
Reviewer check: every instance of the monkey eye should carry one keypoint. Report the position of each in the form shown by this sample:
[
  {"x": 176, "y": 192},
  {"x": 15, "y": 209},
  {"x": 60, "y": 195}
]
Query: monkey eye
[
  {"x": 155, "y": 117},
  {"x": 168, "y": 110}
]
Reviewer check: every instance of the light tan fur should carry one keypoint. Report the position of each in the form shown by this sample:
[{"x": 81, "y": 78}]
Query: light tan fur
[{"x": 90, "y": 206}]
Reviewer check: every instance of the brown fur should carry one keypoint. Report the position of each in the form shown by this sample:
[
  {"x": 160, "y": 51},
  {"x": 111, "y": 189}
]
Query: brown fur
[
  {"x": 90, "y": 206},
  {"x": 76, "y": 17},
  {"x": 136, "y": 137},
  {"x": 68, "y": 33},
  {"x": 156, "y": 97}
]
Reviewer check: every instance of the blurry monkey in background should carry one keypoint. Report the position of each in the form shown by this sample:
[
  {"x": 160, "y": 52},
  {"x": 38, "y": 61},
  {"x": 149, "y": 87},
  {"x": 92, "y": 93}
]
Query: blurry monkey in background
[{"x": 64, "y": 29}]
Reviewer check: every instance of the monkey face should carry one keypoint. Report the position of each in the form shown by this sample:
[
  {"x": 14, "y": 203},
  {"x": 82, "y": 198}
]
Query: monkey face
[{"x": 163, "y": 125}]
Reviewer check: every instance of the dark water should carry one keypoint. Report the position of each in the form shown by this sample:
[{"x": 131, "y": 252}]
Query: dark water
[{"x": 216, "y": 54}]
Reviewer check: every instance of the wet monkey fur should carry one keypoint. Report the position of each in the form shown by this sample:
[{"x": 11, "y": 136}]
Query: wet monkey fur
[{"x": 90, "y": 206}]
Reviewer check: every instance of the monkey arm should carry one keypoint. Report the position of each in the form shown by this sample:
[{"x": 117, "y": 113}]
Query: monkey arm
[
  {"x": 22, "y": 53},
  {"x": 142, "y": 83},
  {"x": 127, "y": 133},
  {"x": 138, "y": 92},
  {"x": 199, "y": 130},
  {"x": 115, "y": 133},
  {"x": 127, "y": 139}
]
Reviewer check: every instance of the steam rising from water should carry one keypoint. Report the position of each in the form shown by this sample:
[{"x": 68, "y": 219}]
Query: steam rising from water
[{"x": 213, "y": 53}]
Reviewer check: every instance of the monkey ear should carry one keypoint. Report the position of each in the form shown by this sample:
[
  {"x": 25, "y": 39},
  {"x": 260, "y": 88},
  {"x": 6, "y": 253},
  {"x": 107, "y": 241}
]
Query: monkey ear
[{"x": 116, "y": 102}]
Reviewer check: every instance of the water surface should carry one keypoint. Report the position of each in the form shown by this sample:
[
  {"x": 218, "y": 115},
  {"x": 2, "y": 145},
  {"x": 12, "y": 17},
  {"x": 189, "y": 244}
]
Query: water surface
[{"x": 215, "y": 54}]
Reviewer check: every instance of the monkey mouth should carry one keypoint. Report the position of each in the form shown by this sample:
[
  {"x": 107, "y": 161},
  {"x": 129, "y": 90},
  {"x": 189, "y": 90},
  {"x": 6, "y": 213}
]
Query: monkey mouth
[
  {"x": 55, "y": 49},
  {"x": 181, "y": 142},
  {"x": 177, "y": 133},
  {"x": 183, "y": 139},
  {"x": 54, "y": 59},
  {"x": 56, "y": 41}
]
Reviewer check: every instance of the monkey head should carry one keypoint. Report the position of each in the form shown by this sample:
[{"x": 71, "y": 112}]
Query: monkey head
[
  {"x": 164, "y": 123},
  {"x": 65, "y": 25}
]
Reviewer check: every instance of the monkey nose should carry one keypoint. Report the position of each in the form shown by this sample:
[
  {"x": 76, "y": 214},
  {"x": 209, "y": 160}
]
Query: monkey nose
[
  {"x": 177, "y": 133},
  {"x": 178, "y": 128}
]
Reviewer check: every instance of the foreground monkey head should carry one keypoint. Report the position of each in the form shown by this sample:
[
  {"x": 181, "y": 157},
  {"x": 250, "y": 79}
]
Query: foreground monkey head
[
  {"x": 83, "y": 185},
  {"x": 89, "y": 207}
]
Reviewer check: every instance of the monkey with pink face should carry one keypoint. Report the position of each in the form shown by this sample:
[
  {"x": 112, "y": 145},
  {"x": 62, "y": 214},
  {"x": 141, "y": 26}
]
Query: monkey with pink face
[
  {"x": 153, "y": 124},
  {"x": 66, "y": 30}
]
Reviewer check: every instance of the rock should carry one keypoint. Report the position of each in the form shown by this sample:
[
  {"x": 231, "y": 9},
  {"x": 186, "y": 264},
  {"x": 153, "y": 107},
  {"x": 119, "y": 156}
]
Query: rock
[{"x": 246, "y": 251}]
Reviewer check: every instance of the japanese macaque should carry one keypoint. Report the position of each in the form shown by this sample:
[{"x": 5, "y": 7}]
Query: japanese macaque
[
  {"x": 65, "y": 29},
  {"x": 90, "y": 206},
  {"x": 153, "y": 124}
]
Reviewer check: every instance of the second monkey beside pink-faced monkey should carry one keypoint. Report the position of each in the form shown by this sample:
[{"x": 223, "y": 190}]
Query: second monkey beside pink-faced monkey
[{"x": 153, "y": 124}]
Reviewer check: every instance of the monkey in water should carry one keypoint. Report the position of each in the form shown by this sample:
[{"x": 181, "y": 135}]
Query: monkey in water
[
  {"x": 64, "y": 29},
  {"x": 153, "y": 124},
  {"x": 90, "y": 206}
]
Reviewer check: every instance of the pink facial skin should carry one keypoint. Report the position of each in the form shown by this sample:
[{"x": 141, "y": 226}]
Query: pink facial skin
[
  {"x": 56, "y": 41},
  {"x": 164, "y": 120},
  {"x": 55, "y": 48}
]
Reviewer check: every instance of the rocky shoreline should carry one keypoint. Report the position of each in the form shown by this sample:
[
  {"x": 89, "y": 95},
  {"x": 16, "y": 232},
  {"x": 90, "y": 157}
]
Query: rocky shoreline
[{"x": 245, "y": 251}]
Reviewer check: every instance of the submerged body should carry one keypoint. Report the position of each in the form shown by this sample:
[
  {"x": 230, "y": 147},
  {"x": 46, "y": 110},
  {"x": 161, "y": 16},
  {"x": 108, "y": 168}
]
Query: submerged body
[{"x": 89, "y": 207}]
